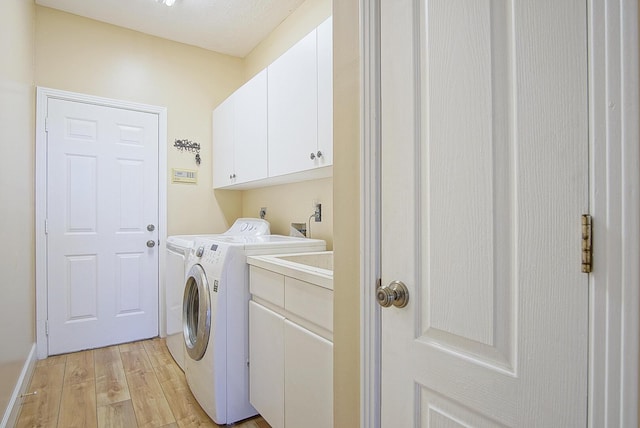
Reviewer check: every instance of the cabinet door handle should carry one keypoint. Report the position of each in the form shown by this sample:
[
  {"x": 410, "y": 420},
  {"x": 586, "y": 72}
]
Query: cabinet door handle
[
  {"x": 319, "y": 154},
  {"x": 312, "y": 156}
]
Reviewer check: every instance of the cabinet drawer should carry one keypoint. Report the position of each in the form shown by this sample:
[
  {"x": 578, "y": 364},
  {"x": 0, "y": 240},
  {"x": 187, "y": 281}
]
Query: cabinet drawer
[
  {"x": 309, "y": 301},
  {"x": 267, "y": 285}
]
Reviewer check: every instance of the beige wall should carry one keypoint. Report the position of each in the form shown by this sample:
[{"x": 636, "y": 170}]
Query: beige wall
[
  {"x": 301, "y": 22},
  {"x": 341, "y": 221},
  {"x": 82, "y": 55},
  {"x": 341, "y": 225},
  {"x": 346, "y": 228},
  {"x": 17, "y": 267},
  {"x": 293, "y": 203}
]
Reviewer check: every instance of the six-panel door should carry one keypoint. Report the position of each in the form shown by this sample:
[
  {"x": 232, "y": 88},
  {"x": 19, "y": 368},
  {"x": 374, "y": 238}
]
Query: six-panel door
[{"x": 102, "y": 217}]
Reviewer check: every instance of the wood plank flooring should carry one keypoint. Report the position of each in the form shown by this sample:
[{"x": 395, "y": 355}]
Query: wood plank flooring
[{"x": 131, "y": 385}]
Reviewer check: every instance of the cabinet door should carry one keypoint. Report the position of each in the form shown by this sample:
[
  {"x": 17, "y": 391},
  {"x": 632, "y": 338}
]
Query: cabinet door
[
  {"x": 266, "y": 364},
  {"x": 308, "y": 381},
  {"x": 223, "y": 144},
  {"x": 325, "y": 93},
  {"x": 250, "y": 154},
  {"x": 293, "y": 108}
]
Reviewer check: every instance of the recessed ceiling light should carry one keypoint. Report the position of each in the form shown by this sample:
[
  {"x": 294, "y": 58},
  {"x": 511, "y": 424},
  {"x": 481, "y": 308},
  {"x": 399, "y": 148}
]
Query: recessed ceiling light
[{"x": 167, "y": 2}]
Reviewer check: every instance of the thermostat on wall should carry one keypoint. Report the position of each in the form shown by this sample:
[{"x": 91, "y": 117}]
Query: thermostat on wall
[{"x": 184, "y": 176}]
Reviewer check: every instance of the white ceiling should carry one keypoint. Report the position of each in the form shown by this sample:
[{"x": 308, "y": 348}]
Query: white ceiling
[{"x": 233, "y": 27}]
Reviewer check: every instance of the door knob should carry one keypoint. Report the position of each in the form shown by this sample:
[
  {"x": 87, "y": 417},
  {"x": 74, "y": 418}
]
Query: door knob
[
  {"x": 151, "y": 243},
  {"x": 395, "y": 294},
  {"x": 312, "y": 156},
  {"x": 319, "y": 154},
  {"x": 151, "y": 227}
]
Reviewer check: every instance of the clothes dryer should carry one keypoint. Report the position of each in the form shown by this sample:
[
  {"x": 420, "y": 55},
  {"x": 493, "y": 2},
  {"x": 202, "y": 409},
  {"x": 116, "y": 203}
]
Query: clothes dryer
[
  {"x": 178, "y": 248},
  {"x": 216, "y": 319}
]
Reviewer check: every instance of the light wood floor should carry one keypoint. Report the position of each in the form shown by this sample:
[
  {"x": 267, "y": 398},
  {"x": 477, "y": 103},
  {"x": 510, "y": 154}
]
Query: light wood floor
[{"x": 132, "y": 385}]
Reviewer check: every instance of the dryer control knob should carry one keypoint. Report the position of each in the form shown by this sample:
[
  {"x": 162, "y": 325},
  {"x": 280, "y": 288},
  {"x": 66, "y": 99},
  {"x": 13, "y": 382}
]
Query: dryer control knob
[{"x": 200, "y": 251}]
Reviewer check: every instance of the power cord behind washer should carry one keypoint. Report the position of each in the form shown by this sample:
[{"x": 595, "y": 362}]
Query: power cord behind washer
[{"x": 309, "y": 228}]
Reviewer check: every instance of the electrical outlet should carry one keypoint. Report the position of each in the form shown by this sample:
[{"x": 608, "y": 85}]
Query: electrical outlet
[{"x": 318, "y": 213}]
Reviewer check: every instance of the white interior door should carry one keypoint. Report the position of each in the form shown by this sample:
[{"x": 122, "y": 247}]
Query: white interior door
[
  {"x": 102, "y": 195},
  {"x": 485, "y": 175}
]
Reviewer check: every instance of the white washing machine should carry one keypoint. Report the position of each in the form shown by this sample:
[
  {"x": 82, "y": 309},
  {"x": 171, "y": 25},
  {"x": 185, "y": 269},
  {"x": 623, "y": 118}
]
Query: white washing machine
[
  {"x": 178, "y": 250},
  {"x": 216, "y": 319}
]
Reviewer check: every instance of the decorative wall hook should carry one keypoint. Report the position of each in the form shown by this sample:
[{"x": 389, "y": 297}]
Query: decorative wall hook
[{"x": 189, "y": 146}]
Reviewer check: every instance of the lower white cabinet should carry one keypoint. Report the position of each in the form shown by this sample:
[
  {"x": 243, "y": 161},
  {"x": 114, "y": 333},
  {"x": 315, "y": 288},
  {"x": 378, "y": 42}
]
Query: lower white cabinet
[
  {"x": 308, "y": 378},
  {"x": 266, "y": 356},
  {"x": 290, "y": 351}
]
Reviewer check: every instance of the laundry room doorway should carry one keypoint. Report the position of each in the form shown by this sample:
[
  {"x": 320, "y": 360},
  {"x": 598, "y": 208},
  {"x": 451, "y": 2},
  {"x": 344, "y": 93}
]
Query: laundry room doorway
[{"x": 98, "y": 197}]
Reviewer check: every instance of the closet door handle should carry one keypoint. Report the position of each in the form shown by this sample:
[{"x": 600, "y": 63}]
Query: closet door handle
[{"x": 395, "y": 294}]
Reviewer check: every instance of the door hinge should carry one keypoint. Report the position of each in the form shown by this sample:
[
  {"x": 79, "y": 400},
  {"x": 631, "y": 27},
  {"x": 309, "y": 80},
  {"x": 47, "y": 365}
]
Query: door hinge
[
  {"x": 587, "y": 243},
  {"x": 46, "y": 226},
  {"x": 46, "y": 327},
  {"x": 46, "y": 124}
]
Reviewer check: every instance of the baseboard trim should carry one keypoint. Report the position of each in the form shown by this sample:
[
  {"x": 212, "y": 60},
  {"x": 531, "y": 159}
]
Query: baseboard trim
[{"x": 13, "y": 409}]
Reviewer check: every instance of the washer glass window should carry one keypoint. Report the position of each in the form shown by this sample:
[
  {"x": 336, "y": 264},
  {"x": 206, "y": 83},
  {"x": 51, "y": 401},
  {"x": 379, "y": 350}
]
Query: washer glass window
[{"x": 196, "y": 313}]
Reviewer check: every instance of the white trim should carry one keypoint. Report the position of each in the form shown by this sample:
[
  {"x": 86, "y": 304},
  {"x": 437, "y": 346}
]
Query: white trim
[
  {"x": 13, "y": 407},
  {"x": 43, "y": 94},
  {"x": 370, "y": 205},
  {"x": 615, "y": 204}
]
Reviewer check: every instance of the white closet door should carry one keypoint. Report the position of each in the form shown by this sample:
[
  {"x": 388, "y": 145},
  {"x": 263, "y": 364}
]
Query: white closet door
[{"x": 484, "y": 180}]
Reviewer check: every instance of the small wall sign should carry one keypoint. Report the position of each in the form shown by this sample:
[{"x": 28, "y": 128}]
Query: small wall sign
[{"x": 184, "y": 176}]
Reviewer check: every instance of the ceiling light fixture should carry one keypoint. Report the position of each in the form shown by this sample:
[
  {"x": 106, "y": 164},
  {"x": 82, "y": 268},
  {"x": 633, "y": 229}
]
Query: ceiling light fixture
[{"x": 167, "y": 2}]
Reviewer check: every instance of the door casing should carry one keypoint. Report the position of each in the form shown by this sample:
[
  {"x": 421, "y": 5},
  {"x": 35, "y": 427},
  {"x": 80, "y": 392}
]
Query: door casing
[
  {"x": 614, "y": 146},
  {"x": 43, "y": 95}
]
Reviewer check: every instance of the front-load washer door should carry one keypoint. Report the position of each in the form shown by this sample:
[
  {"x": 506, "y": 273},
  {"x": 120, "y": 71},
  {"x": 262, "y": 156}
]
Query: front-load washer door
[{"x": 196, "y": 313}]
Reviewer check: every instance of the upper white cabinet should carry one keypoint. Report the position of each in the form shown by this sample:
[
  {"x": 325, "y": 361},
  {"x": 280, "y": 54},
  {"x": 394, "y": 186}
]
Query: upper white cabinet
[
  {"x": 325, "y": 93},
  {"x": 278, "y": 128},
  {"x": 223, "y": 143},
  {"x": 251, "y": 129},
  {"x": 301, "y": 105},
  {"x": 240, "y": 135},
  {"x": 293, "y": 108}
]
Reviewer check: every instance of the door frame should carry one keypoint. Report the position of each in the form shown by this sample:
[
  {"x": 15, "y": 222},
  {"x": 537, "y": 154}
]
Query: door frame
[
  {"x": 43, "y": 95},
  {"x": 614, "y": 153}
]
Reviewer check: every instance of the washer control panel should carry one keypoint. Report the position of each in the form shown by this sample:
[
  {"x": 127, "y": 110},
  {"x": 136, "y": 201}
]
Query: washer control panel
[{"x": 212, "y": 253}]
